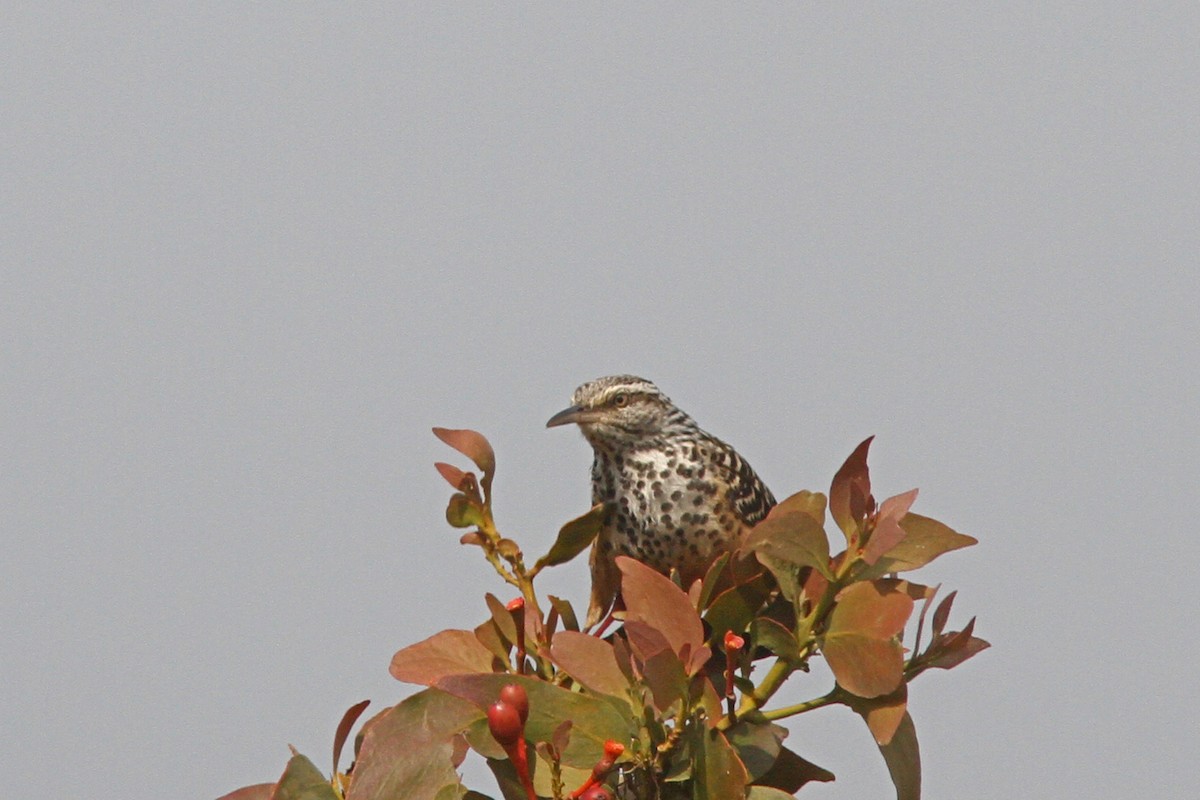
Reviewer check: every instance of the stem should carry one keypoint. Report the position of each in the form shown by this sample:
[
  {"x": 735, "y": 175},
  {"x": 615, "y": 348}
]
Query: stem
[{"x": 834, "y": 696}]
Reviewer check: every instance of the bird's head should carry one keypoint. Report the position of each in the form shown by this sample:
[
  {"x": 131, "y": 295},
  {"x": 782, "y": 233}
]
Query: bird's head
[{"x": 622, "y": 412}]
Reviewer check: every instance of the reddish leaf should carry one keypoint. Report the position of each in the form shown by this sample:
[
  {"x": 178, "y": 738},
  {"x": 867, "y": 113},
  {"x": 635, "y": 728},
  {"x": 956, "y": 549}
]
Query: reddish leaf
[
  {"x": 851, "y": 486},
  {"x": 768, "y": 793},
  {"x": 888, "y": 533},
  {"x": 408, "y": 750},
  {"x": 942, "y": 615},
  {"x": 654, "y": 600},
  {"x": 259, "y": 791},
  {"x": 883, "y": 715},
  {"x": 502, "y": 617},
  {"x": 343, "y": 729},
  {"x": 903, "y": 757},
  {"x": 489, "y": 636},
  {"x": 303, "y": 781},
  {"x": 471, "y": 444},
  {"x": 921, "y": 619},
  {"x": 663, "y": 673},
  {"x": 450, "y": 652},
  {"x": 874, "y": 609},
  {"x": 951, "y": 649},
  {"x": 573, "y": 538},
  {"x": 924, "y": 540},
  {"x": 790, "y": 772},
  {"x": 859, "y": 643},
  {"x": 590, "y": 661},
  {"x": 453, "y": 475},
  {"x": 863, "y": 665},
  {"x": 595, "y": 719}
]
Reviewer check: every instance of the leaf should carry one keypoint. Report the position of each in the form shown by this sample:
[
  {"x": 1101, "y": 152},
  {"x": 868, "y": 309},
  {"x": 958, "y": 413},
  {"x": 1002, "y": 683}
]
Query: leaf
[
  {"x": 453, "y": 475},
  {"x": 942, "y": 615},
  {"x": 779, "y": 640},
  {"x": 408, "y": 750},
  {"x": 259, "y": 791},
  {"x": 718, "y": 773},
  {"x": 653, "y": 599},
  {"x": 860, "y": 644},
  {"x": 733, "y": 609},
  {"x": 851, "y": 486},
  {"x": 449, "y": 652},
  {"x": 663, "y": 673},
  {"x": 804, "y": 502},
  {"x": 768, "y": 793},
  {"x": 757, "y": 745},
  {"x": 883, "y": 715},
  {"x": 785, "y": 543},
  {"x": 301, "y": 780},
  {"x": 502, "y": 617},
  {"x": 566, "y": 612},
  {"x": 924, "y": 540},
  {"x": 461, "y": 512},
  {"x": 903, "y": 757},
  {"x": 573, "y": 538},
  {"x": 506, "y": 779},
  {"x": 887, "y": 532},
  {"x": 711, "y": 580},
  {"x": 343, "y": 730},
  {"x": 790, "y": 772},
  {"x": 594, "y": 718},
  {"x": 951, "y": 649},
  {"x": 590, "y": 661},
  {"x": 473, "y": 445}
]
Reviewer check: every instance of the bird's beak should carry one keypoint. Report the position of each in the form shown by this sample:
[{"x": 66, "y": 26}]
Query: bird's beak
[{"x": 567, "y": 416}]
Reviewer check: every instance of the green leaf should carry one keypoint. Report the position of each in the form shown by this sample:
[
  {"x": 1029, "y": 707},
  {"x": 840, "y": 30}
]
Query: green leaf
[
  {"x": 462, "y": 513},
  {"x": 573, "y": 538},
  {"x": 590, "y": 661},
  {"x": 259, "y": 791},
  {"x": 655, "y": 600},
  {"x": 757, "y": 745},
  {"x": 790, "y": 772},
  {"x": 903, "y": 757},
  {"x": 407, "y": 750},
  {"x": 594, "y": 718},
  {"x": 303, "y": 781},
  {"x": 850, "y": 491},
  {"x": 343, "y": 729},
  {"x": 733, "y": 609},
  {"x": 779, "y": 640},
  {"x": 718, "y": 774},
  {"x": 450, "y": 652},
  {"x": 787, "y": 542},
  {"x": 767, "y": 793},
  {"x": 566, "y": 612},
  {"x": 924, "y": 540}
]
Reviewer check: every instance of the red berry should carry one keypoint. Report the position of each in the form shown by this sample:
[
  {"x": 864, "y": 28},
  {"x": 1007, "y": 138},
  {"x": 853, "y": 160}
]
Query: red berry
[
  {"x": 514, "y": 695},
  {"x": 505, "y": 723},
  {"x": 597, "y": 792}
]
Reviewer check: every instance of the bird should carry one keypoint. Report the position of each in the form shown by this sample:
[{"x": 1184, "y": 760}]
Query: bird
[{"x": 675, "y": 497}]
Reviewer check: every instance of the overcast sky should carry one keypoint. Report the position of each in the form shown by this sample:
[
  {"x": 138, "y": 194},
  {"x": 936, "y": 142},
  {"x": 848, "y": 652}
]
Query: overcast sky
[{"x": 252, "y": 253}]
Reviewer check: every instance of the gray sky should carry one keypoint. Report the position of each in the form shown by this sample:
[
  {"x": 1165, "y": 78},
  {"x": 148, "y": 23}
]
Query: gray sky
[{"x": 252, "y": 253}]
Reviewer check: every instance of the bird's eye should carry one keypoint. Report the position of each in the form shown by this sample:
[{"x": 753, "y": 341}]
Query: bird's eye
[{"x": 620, "y": 400}]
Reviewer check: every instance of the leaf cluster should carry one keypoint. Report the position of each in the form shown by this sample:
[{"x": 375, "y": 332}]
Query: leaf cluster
[{"x": 677, "y": 703}]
